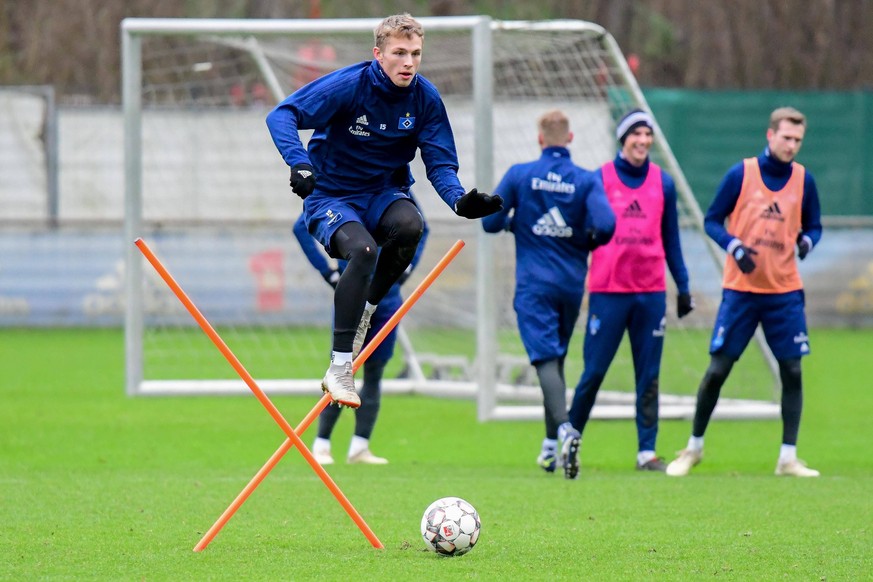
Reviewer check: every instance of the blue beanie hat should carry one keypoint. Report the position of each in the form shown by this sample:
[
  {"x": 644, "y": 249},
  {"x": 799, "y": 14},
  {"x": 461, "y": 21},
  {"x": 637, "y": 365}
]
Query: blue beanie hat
[{"x": 632, "y": 120}]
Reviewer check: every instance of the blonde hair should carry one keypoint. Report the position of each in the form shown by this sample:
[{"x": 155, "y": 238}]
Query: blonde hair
[
  {"x": 786, "y": 114},
  {"x": 397, "y": 25},
  {"x": 554, "y": 126}
]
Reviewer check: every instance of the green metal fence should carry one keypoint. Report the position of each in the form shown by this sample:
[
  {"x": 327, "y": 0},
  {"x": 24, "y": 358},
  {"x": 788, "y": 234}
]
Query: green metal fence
[{"x": 709, "y": 131}]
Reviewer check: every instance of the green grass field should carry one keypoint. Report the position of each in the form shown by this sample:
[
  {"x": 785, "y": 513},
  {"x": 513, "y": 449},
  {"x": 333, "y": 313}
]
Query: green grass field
[{"x": 98, "y": 486}]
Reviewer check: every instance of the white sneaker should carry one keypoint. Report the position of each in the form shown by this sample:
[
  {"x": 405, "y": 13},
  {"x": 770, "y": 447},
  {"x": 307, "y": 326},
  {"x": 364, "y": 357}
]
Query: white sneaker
[
  {"x": 681, "y": 466},
  {"x": 361, "y": 333},
  {"x": 339, "y": 382},
  {"x": 323, "y": 457},
  {"x": 795, "y": 468},
  {"x": 365, "y": 457}
]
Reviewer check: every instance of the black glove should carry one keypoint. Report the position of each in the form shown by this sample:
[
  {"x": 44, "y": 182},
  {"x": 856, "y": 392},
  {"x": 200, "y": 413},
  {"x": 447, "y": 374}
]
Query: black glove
[
  {"x": 803, "y": 247},
  {"x": 595, "y": 238},
  {"x": 302, "y": 180},
  {"x": 475, "y": 204},
  {"x": 743, "y": 256},
  {"x": 331, "y": 277},
  {"x": 684, "y": 304}
]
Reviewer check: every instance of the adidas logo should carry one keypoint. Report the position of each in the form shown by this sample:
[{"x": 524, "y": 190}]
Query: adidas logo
[
  {"x": 552, "y": 223},
  {"x": 362, "y": 120},
  {"x": 773, "y": 212},
  {"x": 634, "y": 210}
]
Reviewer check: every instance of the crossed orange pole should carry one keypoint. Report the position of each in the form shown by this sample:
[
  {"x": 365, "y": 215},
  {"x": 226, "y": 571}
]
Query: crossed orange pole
[{"x": 293, "y": 434}]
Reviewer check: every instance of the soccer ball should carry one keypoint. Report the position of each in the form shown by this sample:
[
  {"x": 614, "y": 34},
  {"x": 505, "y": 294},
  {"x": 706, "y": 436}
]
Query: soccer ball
[{"x": 450, "y": 526}]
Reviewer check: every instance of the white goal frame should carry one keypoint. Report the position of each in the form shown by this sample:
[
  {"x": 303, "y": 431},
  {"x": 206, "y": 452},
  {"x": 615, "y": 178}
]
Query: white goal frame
[{"x": 486, "y": 387}]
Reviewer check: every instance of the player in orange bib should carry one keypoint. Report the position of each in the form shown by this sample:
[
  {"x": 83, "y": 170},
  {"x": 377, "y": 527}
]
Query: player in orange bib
[{"x": 771, "y": 207}]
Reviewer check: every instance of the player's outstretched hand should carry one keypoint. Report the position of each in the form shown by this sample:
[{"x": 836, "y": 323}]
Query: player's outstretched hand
[
  {"x": 302, "y": 180},
  {"x": 332, "y": 278},
  {"x": 684, "y": 304},
  {"x": 475, "y": 204},
  {"x": 803, "y": 247},
  {"x": 743, "y": 256}
]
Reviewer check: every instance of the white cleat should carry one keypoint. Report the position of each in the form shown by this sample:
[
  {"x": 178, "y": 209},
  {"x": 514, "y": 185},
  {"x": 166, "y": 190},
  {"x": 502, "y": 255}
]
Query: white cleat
[
  {"x": 323, "y": 457},
  {"x": 339, "y": 383},
  {"x": 795, "y": 468},
  {"x": 682, "y": 465},
  {"x": 361, "y": 333},
  {"x": 365, "y": 457}
]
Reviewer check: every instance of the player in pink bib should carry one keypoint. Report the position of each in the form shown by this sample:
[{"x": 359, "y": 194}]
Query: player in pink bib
[{"x": 627, "y": 288}]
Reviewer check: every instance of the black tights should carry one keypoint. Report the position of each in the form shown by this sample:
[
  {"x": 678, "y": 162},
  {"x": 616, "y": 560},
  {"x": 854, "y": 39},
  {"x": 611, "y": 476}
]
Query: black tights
[
  {"x": 551, "y": 377},
  {"x": 710, "y": 388},
  {"x": 792, "y": 399},
  {"x": 397, "y": 234}
]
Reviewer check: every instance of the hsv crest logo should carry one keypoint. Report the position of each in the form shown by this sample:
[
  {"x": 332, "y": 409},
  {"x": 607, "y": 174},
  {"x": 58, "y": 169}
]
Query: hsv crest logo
[
  {"x": 718, "y": 339},
  {"x": 594, "y": 325},
  {"x": 406, "y": 122}
]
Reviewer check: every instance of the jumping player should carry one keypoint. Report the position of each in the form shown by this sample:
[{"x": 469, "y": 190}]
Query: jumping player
[
  {"x": 374, "y": 367},
  {"x": 627, "y": 288},
  {"x": 369, "y": 120},
  {"x": 558, "y": 212},
  {"x": 771, "y": 206}
]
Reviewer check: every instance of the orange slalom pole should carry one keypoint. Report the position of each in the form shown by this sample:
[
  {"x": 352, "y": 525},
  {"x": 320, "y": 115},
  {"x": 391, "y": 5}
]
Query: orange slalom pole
[
  {"x": 325, "y": 400},
  {"x": 261, "y": 396},
  {"x": 261, "y": 475}
]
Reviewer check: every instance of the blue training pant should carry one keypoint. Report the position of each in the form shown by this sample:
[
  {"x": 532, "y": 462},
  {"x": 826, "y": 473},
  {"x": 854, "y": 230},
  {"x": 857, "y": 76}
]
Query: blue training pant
[
  {"x": 609, "y": 315},
  {"x": 325, "y": 214},
  {"x": 546, "y": 318},
  {"x": 781, "y": 316}
]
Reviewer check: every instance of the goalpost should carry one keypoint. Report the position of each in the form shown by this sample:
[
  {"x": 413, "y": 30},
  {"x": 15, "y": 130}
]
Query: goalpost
[{"x": 207, "y": 188}]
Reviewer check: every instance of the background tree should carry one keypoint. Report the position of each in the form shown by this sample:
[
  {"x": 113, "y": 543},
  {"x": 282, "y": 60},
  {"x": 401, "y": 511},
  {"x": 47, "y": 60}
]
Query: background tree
[{"x": 741, "y": 44}]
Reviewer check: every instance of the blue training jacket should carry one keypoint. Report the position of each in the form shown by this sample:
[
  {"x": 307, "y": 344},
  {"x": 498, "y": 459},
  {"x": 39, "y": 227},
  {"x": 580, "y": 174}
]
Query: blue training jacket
[
  {"x": 775, "y": 175},
  {"x": 367, "y": 130},
  {"x": 549, "y": 204}
]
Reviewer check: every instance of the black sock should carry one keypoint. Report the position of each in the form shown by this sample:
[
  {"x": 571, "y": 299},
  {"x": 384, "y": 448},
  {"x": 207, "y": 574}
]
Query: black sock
[
  {"x": 709, "y": 391},
  {"x": 792, "y": 399}
]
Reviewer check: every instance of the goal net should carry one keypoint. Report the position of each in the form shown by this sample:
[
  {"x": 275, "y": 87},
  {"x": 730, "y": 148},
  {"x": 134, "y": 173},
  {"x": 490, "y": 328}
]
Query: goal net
[{"x": 207, "y": 189}]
